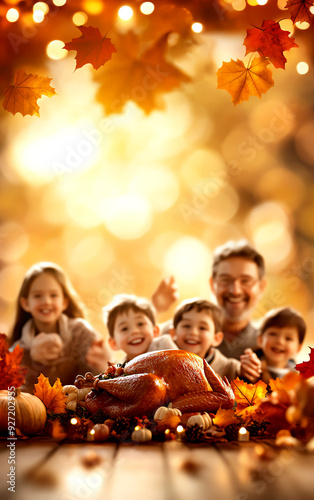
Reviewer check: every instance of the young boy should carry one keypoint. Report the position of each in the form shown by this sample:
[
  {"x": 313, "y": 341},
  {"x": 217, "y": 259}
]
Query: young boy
[
  {"x": 132, "y": 327},
  {"x": 197, "y": 329},
  {"x": 280, "y": 339}
]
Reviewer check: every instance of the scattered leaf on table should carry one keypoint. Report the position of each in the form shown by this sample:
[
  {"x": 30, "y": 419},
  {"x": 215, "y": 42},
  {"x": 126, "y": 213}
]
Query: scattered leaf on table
[
  {"x": 225, "y": 417},
  {"x": 91, "y": 47},
  {"x": 306, "y": 368},
  {"x": 11, "y": 373},
  {"x": 22, "y": 96},
  {"x": 269, "y": 41},
  {"x": 248, "y": 396},
  {"x": 52, "y": 396},
  {"x": 242, "y": 82},
  {"x": 141, "y": 76},
  {"x": 300, "y": 10}
]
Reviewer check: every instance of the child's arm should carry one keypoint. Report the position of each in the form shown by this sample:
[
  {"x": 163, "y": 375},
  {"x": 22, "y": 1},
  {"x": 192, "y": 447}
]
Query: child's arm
[
  {"x": 165, "y": 294},
  {"x": 98, "y": 355},
  {"x": 250, "y": 365}
]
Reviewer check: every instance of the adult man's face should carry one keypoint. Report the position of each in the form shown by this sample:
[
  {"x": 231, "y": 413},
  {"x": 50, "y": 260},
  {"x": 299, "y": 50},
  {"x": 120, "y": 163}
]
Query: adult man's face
[{"x": 237, "y": 287}]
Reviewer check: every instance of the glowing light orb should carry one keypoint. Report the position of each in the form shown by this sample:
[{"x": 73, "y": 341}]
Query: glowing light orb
[
  {"x": 187, "y": 259},
  {"x": 197, "y": 27},
  {"x": 38, "y": 16},
  {"x": 55, "y": 50},
  {"x": 79, "y": 18},
  {"x": 41, "y": 6},
  {"x": 128, "y": 217},
  {"x": 262, "y": 2},
  {"x": 302, "y": 68},
  {"x": 59, "y": 3},
  {"x": 147, "y": 8},
  {"x": 125, "y": 13},
  {"x": 12, "y": 15},
  {"x": 302, "y": 26}
]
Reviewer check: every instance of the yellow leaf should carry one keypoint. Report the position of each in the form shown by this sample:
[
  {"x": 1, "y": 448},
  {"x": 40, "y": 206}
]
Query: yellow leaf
[
  {"x": 225, "y": 417},
  {"x": 248, "y": 394},
  {"x": 52, "y": 396},
  {"x": 286, "y": 383},
  {"x": 242, "y": 82}
]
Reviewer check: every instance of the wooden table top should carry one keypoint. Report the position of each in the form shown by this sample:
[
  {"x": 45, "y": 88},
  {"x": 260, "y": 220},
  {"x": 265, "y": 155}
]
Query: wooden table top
[{"x": 45, "y": 469}]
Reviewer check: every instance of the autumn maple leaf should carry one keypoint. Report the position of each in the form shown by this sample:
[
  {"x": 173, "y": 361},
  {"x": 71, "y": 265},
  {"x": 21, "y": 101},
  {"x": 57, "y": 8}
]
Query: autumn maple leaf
[
  {"x": 300, "y": 10},
  {"x": 52, "y": 396},
  {"x": 225, "y": 417},
  {"x": 91, "y": 47},
  {"x": 21, "y": 97},
  {"x": 306, "y": 368},
  {"x": 141, "y": 76},
  {"x": 269, "y": 41},
  {"x": 11, "y": 373},
  {"x": 248, "y": 396},
  {"x": 242, "y": 82}
]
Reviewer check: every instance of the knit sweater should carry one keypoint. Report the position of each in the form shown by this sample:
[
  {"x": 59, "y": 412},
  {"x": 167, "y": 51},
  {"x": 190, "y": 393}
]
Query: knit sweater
[{"x": 59, "y": 354}]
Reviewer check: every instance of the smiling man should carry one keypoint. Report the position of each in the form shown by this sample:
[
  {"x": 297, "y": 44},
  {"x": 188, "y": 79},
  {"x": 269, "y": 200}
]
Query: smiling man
[{"x": 237, "y": 282}]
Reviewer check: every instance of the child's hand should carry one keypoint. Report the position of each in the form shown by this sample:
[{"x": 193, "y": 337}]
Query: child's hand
[
  {"x": 165, "y": 294},
  {"x": 250, "y": 365},
  {"x": 98, "y": 355}
]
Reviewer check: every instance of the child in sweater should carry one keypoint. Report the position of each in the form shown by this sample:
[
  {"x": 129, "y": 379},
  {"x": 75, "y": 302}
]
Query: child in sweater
[
  {"x": 49, "y": 326},
  {"x": 280, "y": 338},
  {"x": 197, "y": 329}
]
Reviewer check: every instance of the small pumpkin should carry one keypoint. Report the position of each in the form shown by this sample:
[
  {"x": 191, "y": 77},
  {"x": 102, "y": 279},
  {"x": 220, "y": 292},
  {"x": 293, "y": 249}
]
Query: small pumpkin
[
  {"x": 163, "y": 412},
  {"x": 28, "y": 413},
  {"x": 141, "y": 435},
  {"x": 101, "y": 432},
  {"x": 203, "y": 420},
  {"x": 74, "y": 395}
]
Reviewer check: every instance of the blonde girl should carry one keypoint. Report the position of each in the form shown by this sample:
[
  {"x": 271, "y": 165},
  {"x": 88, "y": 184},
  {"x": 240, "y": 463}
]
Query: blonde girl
[{"x": 49, "y": 325}]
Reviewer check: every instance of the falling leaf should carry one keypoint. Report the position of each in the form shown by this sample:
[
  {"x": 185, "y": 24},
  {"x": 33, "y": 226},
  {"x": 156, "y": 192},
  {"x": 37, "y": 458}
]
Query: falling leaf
[
  {"x": 225, "y": 417},
  {"x": 11, "y": 373},
  {"x": 269, "y": 41},
  {"x": 91, "y": 47},
  {"x": 52, "y": 396},
  {"x": 300, "y": 10},
  {"x": 22, "y": 96},
  {"x": 248, "y": 396},
  {"x": 307, "y": 367},
  {"x": 140, "y": 76},
  {"x": 242, "y": 82}
]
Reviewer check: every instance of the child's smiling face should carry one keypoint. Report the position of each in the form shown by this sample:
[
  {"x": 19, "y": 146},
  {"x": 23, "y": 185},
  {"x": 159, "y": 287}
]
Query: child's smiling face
[
  {"x": 45, "y": 302},
  {"x": 133, "y": 332},
  {"x": 196, "y": 332},
  {"x": 279, "y": 344}
]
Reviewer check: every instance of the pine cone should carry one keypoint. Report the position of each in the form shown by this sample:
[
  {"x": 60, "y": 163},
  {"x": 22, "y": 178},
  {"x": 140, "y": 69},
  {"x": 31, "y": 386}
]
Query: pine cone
[
  {"x": 121, "y": 424},
  {"x": 232, "y": 432},
  {"x": 194, "y": 433},
  {"x": 257, "y": 428}
]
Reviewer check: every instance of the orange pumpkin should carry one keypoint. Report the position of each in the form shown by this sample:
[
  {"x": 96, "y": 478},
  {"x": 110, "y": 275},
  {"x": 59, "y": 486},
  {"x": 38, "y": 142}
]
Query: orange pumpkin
[
  {"x": 22, "y": 411},
  {"x": 101, "y": 432}
]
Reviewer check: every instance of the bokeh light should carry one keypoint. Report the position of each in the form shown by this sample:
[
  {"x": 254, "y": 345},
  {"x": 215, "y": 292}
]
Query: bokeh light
[
  {"x": 79, "y": 18},
  {"x": 12, "y": 15},
  {"x": 38, "y": 16},
  {"x": 197, "y": 27},
  {"x": 125, "y": 12},
  {"x": 42, "y": 6},
  {"x": 59, "y": 3},
  {"x": 55, "y": 50},
  {"x": 302, "y": 68},
  {"x": 93, "y": 7},
  {"x": 188, "y": 259},
  {"x": 128, "y": 216},
  {"x": 147, "y": 8}
]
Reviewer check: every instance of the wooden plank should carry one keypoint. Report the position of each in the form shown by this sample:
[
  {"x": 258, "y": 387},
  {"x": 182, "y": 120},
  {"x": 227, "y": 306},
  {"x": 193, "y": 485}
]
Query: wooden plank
[
  {"x": 277, "y": 476},
  {"x": 139, "y": 473},
  {"x": 197, "y": 472},
  {"x": 61, "y": 473}
]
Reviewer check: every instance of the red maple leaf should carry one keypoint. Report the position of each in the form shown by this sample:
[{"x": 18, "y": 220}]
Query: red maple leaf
[
  {"x": 300, "y": 10},
  {"x": 306, "y": 368},
  {"x": 91, "y": 47},
  {"x": 11, "y": 373},
  {"x": 269, "y": 41}
]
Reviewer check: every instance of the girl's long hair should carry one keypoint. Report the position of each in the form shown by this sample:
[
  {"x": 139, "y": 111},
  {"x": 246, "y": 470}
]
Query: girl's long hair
[{"x": 74, "y": 309}]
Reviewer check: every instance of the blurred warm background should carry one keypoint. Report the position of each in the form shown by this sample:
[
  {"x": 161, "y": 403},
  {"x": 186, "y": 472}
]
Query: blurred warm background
[{"x": 121, "y": 200}]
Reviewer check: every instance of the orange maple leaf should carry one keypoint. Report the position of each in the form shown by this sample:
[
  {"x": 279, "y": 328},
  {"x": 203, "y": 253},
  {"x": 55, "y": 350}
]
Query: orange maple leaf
[
  {"x": 269, "y": 41},
  {"x": 248, "y": 396},
  {"x": 141, "y": 76},
  {"x": 300, "y": 10},
  {"x": 225, "y": 417},
  {"x": 21, "y": 97},
  {"x": 11, "y": 373},
  {"x": 52, "y": 396},
  {"x": 91, "y": 47},
  {"x": 242, "y": 82},
  {"x": 287, "y": 383}
]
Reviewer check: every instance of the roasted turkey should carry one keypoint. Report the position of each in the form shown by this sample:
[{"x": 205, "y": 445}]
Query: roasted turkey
[{"x": 157, "y": 378}]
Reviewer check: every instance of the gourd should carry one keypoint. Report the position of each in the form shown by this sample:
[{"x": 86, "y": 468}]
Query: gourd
[
  {"x": 141, "y": 435},
  {"x": 163, "y": 412},
  {"x": 101, "y": 432},
  {"x": 203, "y": 420},
  {"x": 26, "y": 412},
  {"x": 74, "y": 395}
]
